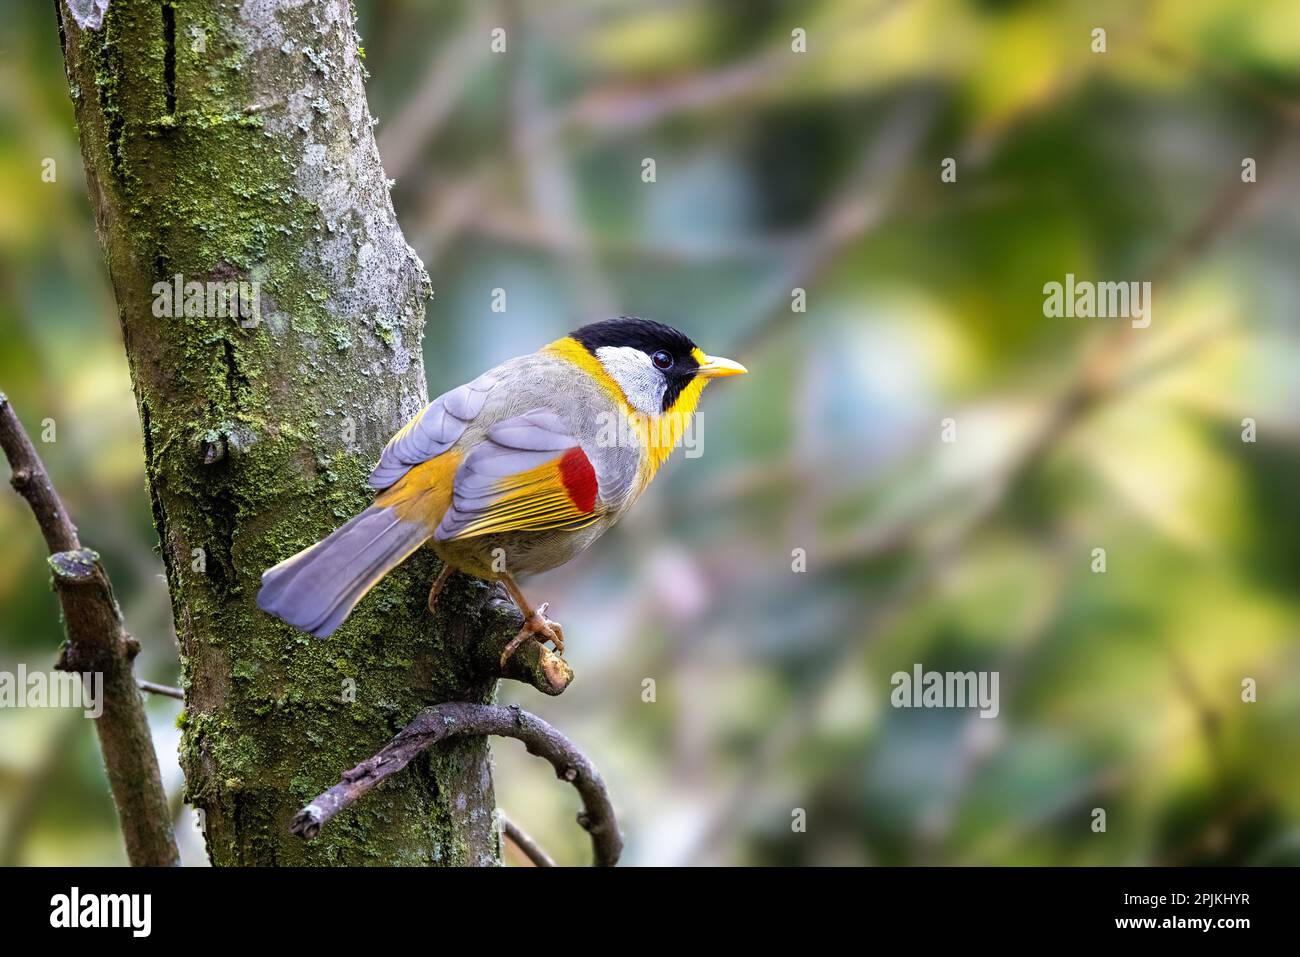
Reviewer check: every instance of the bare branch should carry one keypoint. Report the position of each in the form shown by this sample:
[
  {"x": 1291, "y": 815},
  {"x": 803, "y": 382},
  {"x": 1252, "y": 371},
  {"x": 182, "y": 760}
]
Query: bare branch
[
  {"x": 527, "y": 846},
  {"x": 614, "y": 110},
  {"x": 484, "y": 624},
  {"x": 453, "y": 719},
  {"x": 30, "y": 481},
  {"x": 98, "y": 643},
  {"x": 165, "y": 690},
  {"x": 536, "y": 665}
]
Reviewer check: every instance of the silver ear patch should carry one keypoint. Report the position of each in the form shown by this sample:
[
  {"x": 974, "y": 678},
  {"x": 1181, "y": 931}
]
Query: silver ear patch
[{"x": 641, "y": 382}]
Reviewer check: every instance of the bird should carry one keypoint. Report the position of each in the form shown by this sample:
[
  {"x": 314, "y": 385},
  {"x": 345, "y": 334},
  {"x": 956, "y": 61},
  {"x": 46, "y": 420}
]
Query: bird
[{"x": 512, "y": 474}]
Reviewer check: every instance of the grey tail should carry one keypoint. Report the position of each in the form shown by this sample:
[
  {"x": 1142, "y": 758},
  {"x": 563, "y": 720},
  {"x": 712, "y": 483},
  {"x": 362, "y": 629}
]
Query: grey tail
[{"x": 316, "y": 589}]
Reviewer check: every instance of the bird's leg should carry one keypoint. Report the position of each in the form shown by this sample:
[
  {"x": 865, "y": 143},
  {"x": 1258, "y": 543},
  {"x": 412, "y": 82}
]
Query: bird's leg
[
  {"x": 535, "y": 623},
  {"x": 436, "y": 588}
]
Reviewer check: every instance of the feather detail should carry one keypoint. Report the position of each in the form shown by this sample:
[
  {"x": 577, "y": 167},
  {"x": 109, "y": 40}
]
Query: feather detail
[
  {"x": 528, "y": 474},
  {"x": 437, "y": 427},
  {"x": 317, "y": 589},
  {"x": 423, "y": 493},
  {"x": 579, "y": 479},
  {"x": 658, "y": 434}
]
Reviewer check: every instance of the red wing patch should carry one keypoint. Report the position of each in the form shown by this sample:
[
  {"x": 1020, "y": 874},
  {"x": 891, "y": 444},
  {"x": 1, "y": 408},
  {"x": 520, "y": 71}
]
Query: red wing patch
[
  {"x": 579, "y": 479},
  {"x": 526, "y": 475}
]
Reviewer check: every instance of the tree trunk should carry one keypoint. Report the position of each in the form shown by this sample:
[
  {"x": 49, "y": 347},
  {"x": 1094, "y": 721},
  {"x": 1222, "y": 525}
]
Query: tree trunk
[{"x": 227, "y": 142}]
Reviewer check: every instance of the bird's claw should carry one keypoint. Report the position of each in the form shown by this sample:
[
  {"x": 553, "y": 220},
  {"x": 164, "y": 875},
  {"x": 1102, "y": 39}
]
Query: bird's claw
[
  {"x": 553, "y": 630},
  {"x": 538, "y": 626}
]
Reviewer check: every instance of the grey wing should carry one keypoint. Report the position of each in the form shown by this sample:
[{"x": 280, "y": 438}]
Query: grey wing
[
  {"x": 528, "y": 474},
  {"x": 434, "y": 430}
]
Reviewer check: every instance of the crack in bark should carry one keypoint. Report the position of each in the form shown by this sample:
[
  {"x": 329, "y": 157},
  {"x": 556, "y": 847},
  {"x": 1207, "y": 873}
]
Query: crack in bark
[
  {"x": 108, "y": 69},
  {"x": 169, "y": 57}
]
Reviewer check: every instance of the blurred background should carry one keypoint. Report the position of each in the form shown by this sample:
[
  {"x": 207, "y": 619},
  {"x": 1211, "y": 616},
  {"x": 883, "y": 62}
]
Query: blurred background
[{"x": 820, "y": 170}]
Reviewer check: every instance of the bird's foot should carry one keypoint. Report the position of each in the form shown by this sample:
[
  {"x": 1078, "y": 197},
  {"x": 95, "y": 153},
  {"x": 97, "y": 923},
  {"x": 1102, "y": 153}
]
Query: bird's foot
[
  {"x": 538, "y": 626},
  {"x": 436, "y": 588}
]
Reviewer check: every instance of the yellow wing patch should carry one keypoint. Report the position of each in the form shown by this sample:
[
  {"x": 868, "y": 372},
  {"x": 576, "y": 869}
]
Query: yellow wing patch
[
  {"x": 423, "y": 494},
  {"x": 531, "y": 501}
]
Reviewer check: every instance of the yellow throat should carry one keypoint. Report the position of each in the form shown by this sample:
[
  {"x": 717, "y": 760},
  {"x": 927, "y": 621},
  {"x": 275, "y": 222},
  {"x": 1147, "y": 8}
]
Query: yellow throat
[{"x": 658, "y": 434}]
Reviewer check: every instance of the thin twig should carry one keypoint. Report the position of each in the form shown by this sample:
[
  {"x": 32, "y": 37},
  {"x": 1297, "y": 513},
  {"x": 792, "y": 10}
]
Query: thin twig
[
  {"x": 166, "y": 690},
  {"x": 607, "y": 113},
  {"x": 98, "y": 644},
  {"x": 30, "y": 480},
  {"x": 526, "y": 845},
  {"x": 613, "y": 110},
  {"x": 453, "y": 719}
]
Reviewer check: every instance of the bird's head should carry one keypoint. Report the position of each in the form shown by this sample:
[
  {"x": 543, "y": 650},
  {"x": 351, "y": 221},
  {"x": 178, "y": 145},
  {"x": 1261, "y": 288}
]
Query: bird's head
[{"x": 658, "y": 371}]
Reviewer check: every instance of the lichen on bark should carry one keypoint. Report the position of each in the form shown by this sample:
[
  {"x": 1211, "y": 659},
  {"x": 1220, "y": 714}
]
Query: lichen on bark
[{"x": 228, "y": 141}]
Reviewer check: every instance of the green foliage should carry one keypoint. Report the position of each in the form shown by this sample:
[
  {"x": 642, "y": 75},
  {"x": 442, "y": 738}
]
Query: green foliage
[{"x": 1119, "y": 690}]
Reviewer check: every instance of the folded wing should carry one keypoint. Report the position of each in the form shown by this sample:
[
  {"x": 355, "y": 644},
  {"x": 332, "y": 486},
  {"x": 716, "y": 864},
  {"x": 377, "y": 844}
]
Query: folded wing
[
  {"x": 528, "y": 474},
  {"x": 433, "y": 431}
]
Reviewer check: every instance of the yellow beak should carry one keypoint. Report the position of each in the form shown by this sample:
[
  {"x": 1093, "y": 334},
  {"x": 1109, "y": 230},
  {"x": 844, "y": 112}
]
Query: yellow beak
[{"x": 715, "y": 367}]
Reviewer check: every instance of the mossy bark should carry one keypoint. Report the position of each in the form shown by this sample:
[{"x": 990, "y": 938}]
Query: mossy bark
[{"x": 229, "y": 141}]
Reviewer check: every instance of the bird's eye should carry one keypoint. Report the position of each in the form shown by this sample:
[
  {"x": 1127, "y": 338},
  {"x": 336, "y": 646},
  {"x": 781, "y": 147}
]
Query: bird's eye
[{"x": 662, "y": 360}]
